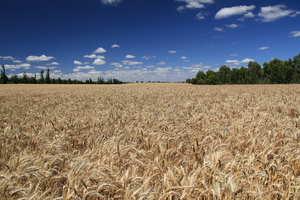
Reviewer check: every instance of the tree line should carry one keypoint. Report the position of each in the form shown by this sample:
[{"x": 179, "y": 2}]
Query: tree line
[
  {"x": 47, "y": 80},
  {"x": 275, "y": 72}
]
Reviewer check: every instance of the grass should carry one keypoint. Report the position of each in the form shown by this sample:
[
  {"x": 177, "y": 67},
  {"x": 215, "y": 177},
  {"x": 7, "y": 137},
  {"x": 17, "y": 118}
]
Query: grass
[{"x": 149, "y": 141}]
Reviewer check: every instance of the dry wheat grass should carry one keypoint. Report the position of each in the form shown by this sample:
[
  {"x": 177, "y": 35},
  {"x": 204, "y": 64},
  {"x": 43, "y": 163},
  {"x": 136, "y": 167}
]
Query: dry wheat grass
[{"x": 149, "y": 141}]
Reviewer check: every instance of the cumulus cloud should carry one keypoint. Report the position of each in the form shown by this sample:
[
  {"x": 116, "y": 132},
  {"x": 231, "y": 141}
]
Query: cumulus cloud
[
  {"x": 272, "y": 13},
  {"x": 115, "y": 45},
  {"x": 235, "y": 10},
  {"x": 93, "y": 56},
  {"x": 295, "y": 14},
  {"x": 172, "y": 51},
  {"x": 236, "y": 62},
  {"x": 126, "y": 67},
  {"x": 129, "y": 56},
  {"x": 98, "y": 61},
  {"x": 200, "y": 15},
  {"x": 295, "y": 34},
  {"x": 39, "y": 58},
  {"x": 100, "y": 50},
  {"x": 194, "y": 4},
  {"x": 232, "y": 25},
  {"x": 127, "y": 62},
  {"x": 233, "y": 55},
  {"x": 163, "y": 70},
  {"x": 6, "y": 57},
  {"x": 13, "y": 67},
  {"x": 44, "y": 67},
  {"x": 17, "y": 61},
  {"x": 183, "y": 57},
  {"x": 180, "y": 8},
  {"x": 263, "y": 48},
  {"x": 118, "y": 65},
  {"x": 111, "y": 2},
  {"x": 79, "y": 68},
  {"x": 146, "y": 57},
  {"x": 161, "y": 63},
  {"x": 249, "y": 15},
  {"x": 150, "y": 66},
  {"x": 219, "y": 29},
  {"x": 53, "y": 63},
  {"x": 77, "y": 62}
]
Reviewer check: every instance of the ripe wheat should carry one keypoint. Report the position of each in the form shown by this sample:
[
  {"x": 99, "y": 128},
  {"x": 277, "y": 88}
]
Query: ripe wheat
[{"x": 149, "y": 141}]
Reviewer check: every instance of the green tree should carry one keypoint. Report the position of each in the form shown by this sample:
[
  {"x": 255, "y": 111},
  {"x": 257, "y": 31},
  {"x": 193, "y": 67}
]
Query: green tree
[
  {"x": 235, "y": 76},
  {"x": 211, "y": 77},
  {"x": 224, "y": 75},
  {"x": 194, "y": 81},
  {"x": 200, "y": 75},
  {"x": 42, "y": 76},
  {"x": 4, "y": 78},
  {"x": 25, "y": 78},
  {"x": 48, "y": 76}
]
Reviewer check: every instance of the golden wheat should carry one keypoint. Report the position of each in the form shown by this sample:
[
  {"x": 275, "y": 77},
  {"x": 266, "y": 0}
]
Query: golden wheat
[{"x": 149, "y": 141}]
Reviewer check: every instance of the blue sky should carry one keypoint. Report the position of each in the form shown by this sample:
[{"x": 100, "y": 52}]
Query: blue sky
[{"x": 156, "y": 40}]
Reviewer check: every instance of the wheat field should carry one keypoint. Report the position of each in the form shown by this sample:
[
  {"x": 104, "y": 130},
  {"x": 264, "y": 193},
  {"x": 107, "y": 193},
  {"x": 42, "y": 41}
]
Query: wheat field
[{"x": 149, "y": 141}]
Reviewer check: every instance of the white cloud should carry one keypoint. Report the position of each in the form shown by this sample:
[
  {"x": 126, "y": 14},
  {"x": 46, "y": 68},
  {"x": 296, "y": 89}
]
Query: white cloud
[
  {"x": 111, "y": 2},
  {"x": 194, "y": 4},
  {"x": 6, "y": 57},
  {"x": 79, "y": 68},
  {"x": 17, "y": 61},
  {"x": 163, "y": 70},
  {"x": 43, "y": 67},
  {"x": 233, "y": 55},
  {"x": 236, "y": 62},
  {"x": 24, "y": 65},
  {"x": 115, "y": 45},
  {"x": 272, "y": 13},
  {"x": 263, "y": 48},
  {"x": 93, "y": 56},
  {"x": 183, "y": 57},
  {"x": 77, "y": 62},
  {"x": 150, "y": 66},
  {"x": 98, "y": 61},
  {"x": 161, "y": 63},
  {"x": 219, "y": 29},
  {"x": 127, "y": 62},
  {"x": 232, "y": 25},
  {"x": 86, "y": 63},
  {"x": 200, "y": 15},
  {"x": 53, "y": 63},
  {"x": 126, "y": 67},
  {"x": 129, "y": 56},
  {"x": 171, "y": 51},
  {"x": 295, "y": 34},
  {"x": 235, "y": 10},
  {"x": 118, "y": 65},
  {"x": 146, "y": 57},
  {"x": 295, "y": 14},
  {"x": 180, "y": 8},
  {"x": 39, "y": 58},
  {"x": 249, "y": 15},
  {"x": 100, "y": 50}
]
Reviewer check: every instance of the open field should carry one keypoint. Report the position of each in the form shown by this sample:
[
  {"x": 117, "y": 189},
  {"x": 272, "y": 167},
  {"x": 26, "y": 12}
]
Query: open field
[{"x": 149, "y": 141}]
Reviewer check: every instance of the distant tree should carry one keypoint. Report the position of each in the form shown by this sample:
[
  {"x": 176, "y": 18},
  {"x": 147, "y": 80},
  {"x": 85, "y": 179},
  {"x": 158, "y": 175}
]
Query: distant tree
[
  {"x": 188, "y": 80},
  {"x": 200, "y": 75},
  {"x": 42, "y": 76},
  {"x": 194, "y": 81},
  {"x": 4, "y": 78},
  {"x": 224, "y": 75},
  {"x": 25, "y": 78},
  {"x": 48, "y": 76},
  {"x": 211, "y": 77}
]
